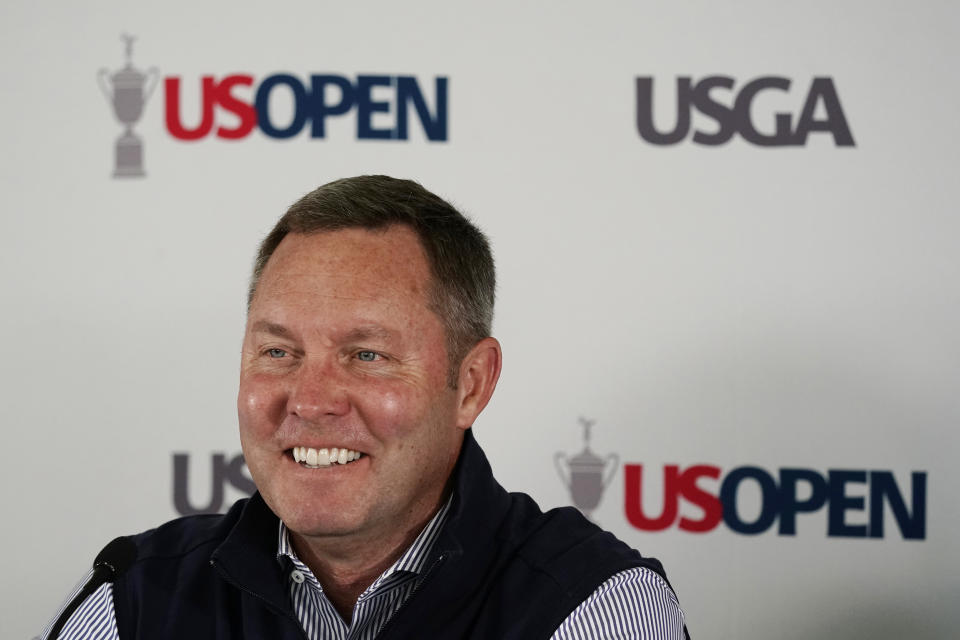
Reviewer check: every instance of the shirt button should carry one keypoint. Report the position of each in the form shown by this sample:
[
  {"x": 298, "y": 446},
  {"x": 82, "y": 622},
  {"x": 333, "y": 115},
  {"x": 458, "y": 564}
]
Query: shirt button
[{"x": 297, "y": 576}]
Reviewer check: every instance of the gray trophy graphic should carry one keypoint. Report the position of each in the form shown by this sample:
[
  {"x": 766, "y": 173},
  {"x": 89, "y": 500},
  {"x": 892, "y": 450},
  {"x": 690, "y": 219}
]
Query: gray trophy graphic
[
  {"x": 128, "y": 90},
  {"x": 586, "y": 474}
]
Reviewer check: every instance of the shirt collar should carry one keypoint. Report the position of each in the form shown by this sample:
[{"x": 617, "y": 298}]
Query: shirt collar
[{"x": 411, "y": 562}]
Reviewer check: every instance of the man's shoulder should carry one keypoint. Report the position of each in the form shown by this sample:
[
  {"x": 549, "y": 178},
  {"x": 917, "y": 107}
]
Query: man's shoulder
[
  {"x": 613, "y": 583},
  {"x": 188, "y": 534},
  {"x": 560, "y": 544},
  {"x": 635, "y": 602},
  {"x": 564, "y": 543}
]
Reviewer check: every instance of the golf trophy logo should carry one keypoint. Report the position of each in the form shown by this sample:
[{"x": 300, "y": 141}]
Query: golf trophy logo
[
  {"x": 586, "y": 474},
  {"x": 128, "y": 90}
]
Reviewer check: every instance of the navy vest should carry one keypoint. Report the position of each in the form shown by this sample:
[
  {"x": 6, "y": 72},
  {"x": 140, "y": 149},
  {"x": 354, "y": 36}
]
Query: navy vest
[{"x": 500, "y": 569}]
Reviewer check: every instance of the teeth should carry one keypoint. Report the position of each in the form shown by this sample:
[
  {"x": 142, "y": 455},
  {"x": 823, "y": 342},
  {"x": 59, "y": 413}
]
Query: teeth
[{"x": 316, "y": 458}]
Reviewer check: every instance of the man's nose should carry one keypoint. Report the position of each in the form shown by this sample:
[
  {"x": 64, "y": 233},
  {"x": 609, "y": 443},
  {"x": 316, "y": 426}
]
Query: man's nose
[{"x": 318, "y": 390}]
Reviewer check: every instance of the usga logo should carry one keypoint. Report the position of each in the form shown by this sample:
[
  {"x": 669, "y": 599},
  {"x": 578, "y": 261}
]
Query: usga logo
[
  {"x": 716, "y": 98},
  {"x": 845, "y": 493}
]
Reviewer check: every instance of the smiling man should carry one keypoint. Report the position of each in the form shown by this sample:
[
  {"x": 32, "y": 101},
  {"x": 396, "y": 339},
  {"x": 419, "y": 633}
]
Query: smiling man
[
  {"x": 366, "y": 359},
  {"x": 349, "y": 425}
]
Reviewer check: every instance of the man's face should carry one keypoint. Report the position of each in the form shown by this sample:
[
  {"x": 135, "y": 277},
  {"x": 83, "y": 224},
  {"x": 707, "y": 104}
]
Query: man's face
[{"x": 341, "y": 350}]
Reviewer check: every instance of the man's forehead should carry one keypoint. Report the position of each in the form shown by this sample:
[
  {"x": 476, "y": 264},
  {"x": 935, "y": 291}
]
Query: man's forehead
[
  {"x": 392, "y": 255},
  {"x": 363, "y": 331},
  {"x": 352, "y": 280}
]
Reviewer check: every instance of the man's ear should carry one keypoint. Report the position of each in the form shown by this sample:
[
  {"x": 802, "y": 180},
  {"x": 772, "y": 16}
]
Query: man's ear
[{"x": 478, "y": 377}]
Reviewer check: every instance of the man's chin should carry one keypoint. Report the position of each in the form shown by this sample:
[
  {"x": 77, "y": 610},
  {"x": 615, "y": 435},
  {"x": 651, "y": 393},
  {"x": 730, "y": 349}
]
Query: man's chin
[
  {"x": 317, "y": 518},
  {"x": 336, "y": 531}
]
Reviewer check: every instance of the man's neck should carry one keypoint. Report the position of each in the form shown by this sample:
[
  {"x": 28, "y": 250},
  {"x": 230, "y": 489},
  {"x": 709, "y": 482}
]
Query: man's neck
[{"x": 346, "y": 566}]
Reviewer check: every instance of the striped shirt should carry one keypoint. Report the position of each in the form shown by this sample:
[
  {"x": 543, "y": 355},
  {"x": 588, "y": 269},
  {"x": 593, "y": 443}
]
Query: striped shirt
[
  {"x": 375, "y": 606},
  {"x": 634, "y": 604}
]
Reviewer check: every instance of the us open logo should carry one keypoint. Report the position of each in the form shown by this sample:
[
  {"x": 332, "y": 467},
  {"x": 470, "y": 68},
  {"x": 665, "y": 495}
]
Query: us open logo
[
  {"x": 384, "y": 106},
  {"x": 856, "y": 501}
]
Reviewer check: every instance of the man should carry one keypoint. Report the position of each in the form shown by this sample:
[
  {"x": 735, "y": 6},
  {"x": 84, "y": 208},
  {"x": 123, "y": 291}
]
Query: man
[{"x": 366, "y": 359}]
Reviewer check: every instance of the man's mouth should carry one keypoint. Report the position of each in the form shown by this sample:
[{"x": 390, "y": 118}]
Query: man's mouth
[{"x": 317, "y": 458}]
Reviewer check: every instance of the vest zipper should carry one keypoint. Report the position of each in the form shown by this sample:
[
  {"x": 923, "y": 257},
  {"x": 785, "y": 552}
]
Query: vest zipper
[
  {"x": 266, "y": 602},
  {"x": 386, "y": 625}
]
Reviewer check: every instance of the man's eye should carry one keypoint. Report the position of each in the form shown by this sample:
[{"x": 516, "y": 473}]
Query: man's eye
[
  {"x": 276, "y": 353},
  {"x": 367, "y": 356}
]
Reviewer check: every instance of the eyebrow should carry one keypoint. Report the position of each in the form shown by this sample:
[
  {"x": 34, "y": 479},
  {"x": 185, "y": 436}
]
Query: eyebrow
[{"x": 264, "y": 326}]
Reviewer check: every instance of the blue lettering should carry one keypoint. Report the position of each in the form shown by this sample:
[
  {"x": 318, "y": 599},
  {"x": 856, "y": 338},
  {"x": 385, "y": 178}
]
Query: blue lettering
[
  {"x": 882, "y": 484},
  {"x": 840, "y": 503},
  {"x": 299, "y": 106},
  {"x": 366, "y": 107},
  {"x": 434, "y": 125},
  {"x": 769, "y": 502},
  {"x": 321, "y": 108},
  {"x": 335, "y": 95},
  {"x": 789, "y": 504}
]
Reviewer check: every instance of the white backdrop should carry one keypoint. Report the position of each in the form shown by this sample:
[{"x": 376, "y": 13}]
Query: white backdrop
[{"x": 730, "y": 305}]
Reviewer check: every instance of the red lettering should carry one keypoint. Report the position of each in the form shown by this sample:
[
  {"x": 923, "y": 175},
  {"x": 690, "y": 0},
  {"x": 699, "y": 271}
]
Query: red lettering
[
  {"x": 243, "y": 110},
  {"x": 633, "y": 490},
  {"x": 174, "y": 125},
  {"x": 712, "y": 509}
]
